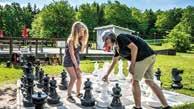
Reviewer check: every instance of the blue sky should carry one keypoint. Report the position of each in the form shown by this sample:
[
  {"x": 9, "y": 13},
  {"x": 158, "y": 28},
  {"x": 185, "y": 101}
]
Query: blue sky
[{"x": 140, "y": 4}]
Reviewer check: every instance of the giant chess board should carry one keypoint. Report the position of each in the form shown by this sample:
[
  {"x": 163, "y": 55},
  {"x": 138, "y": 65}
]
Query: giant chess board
[
  {"x": 102, "y": 99},
  {"x": 127, "y": 98}
]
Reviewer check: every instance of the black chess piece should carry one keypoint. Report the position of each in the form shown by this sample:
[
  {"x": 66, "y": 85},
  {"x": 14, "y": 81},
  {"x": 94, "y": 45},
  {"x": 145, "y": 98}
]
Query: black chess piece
[
  {"x": 176, "y": 78},
  {"x": 8, "y": 64},
  {"x": 27, "y": 100},
  {"x": 27, "y": 75},
  {"x": 40, "y": 81},
  {"x": 46, "y": 84},
  {"x": 53, "y": 96},
  {"x": 158, "y": 74},
  {"x": 22, "y": 84},
  {"x": 64, "y": 83},
  {"x": 88, "y": 99},
  {"x": 116, "y": 102},
  {"x": 39, "y": 100},
  {"x": 28, "y": 69},
  {"x": 37, "y": 70}
]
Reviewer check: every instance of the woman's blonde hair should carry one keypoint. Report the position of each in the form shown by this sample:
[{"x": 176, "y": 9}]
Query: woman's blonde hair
[{"x": 74, "y": 35}]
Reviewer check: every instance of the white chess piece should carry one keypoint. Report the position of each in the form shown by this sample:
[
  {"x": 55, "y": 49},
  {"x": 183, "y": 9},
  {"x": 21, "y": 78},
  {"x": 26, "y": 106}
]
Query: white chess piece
[
  {"x": 96, "y": 67},
  {"x": 100, "y": 74},
  {"x": 103, "y": 100},
  {"x": 120, "y": 74},
  {"x": 129, "y": 77}
]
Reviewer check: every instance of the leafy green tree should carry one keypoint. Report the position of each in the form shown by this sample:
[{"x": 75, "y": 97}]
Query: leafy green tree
[
  {"x": 55, "y": 20},
  {"x": 180, "y": 37},
  {"x": 119, "y": 14},
  {"x": 92, "y": 15},
  {"x": 14, "y": 18},
  {"x": 188, "y": 18},
  {"x": 167, "y": 20},
  {"x": 1, "y": 17},
  {"x": 149, "y": 19}
]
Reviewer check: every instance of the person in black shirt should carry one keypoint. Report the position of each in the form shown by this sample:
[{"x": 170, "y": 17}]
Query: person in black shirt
[{"x": 142, "y": 58}]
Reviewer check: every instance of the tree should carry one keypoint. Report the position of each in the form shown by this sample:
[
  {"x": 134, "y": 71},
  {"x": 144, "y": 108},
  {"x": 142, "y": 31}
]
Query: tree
[
  {"x": 180, "y": 37},
  {"x": 55, "y": 20},
  {"x": 188, "y": 18},
  {"x": 92, "y": 16},
  {"x": 119, "y": 14},
  {"x": 167, "y": 20},
  {"x": 13, "y": 18},
  {"x": 1, "y": 17}
]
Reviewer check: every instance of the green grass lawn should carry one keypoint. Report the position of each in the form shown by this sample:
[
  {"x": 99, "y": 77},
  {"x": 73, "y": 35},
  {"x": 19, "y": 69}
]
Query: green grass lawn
[
  {"x": 183, "y": 61},
  {"x": 164, "y": 62}
]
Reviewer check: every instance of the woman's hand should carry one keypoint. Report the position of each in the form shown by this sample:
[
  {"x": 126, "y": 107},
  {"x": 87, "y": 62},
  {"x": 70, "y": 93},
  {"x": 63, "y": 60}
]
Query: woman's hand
[{"x": 78, "y": 70}]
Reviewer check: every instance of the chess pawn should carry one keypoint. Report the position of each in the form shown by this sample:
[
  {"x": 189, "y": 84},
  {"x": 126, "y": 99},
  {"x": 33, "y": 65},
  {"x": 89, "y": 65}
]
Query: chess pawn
[
  {"x": 53, "y": 96},
  {"x": 64, "y": 84},
  {"x": 158, "y": 74},
  {"x": 96, "y": 66},
  {"x": 120, "y": 74},
  {"x": 129, "y": 76},
  {"x": 46, "y": 84},
  {"x": 88, "y": 99},
  {"x": 103, "y": 101},
  {"x": 37, "y": 68},
  {"x": 41, "y": 75},
  {"x": 116, "y": 102}
]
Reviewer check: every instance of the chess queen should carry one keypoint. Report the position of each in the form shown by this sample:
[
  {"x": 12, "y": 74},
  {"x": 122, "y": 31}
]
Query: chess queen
[
  {"x": 76, "y": 43},
  {"x": 142, "y": 58}
]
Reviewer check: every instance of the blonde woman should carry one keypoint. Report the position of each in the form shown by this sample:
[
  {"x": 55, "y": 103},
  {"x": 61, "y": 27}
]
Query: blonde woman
[{"x": 76, "y": 43}]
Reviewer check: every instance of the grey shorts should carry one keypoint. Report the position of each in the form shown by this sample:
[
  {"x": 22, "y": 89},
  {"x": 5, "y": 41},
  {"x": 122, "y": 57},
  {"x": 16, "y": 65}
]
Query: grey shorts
[{"x": 69, "y": 63}]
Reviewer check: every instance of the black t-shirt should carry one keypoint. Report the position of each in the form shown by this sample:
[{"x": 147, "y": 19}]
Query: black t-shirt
[{"x": 124, "y": 40}]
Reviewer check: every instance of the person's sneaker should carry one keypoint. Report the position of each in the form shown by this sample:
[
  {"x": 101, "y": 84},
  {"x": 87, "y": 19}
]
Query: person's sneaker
[
  {"x": 71, "y": 99},
  {"x": 168, "y": 107},
  {"x": 136, "y": 108}
]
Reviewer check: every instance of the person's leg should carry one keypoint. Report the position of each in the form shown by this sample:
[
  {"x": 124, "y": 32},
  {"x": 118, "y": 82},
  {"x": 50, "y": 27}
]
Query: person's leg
[
  {"x": 140, "y": 68},
  {"x": 156, "y": 89},
  {"x": 136, "y": 93},
  {"x": 149, "y": 81},
  {"x": 79, "y": 82},
  {"x": 73, "y": 78}
]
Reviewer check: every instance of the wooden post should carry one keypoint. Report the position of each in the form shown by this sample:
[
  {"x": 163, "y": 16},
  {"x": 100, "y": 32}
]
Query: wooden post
[
  {"x": 36, "y": 48},
  {"x": 61, "y": 57},
  {"x": 10, "y": 47}
]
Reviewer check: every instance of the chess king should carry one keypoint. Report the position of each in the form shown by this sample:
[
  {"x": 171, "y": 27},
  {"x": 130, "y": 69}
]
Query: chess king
[
  {"x": 76, "y": 43},
  {"x": 142, "y": 59}
]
